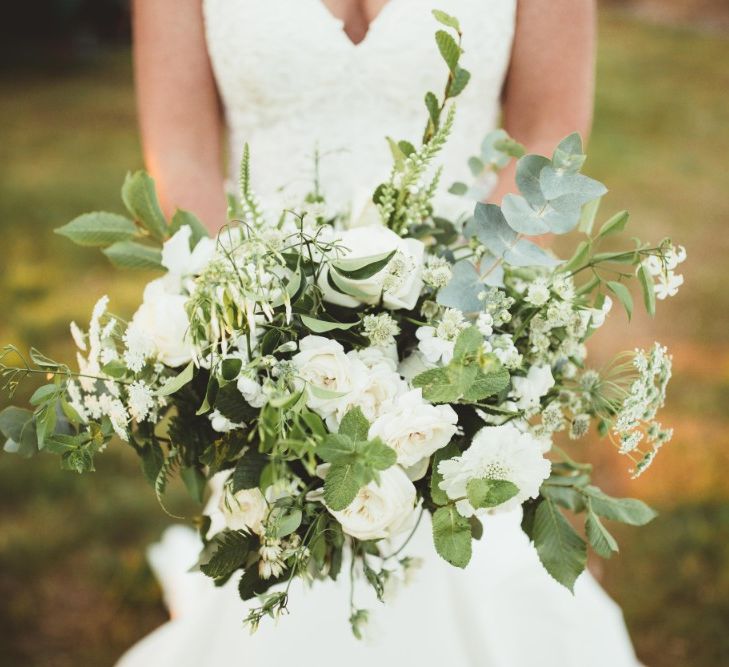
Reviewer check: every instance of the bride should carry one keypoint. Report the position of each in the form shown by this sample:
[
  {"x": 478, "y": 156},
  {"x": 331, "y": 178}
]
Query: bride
[{"x": 294, "y": 76}]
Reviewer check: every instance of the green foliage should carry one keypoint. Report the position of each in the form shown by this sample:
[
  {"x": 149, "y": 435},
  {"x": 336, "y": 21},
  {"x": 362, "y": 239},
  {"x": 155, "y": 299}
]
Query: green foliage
[
  {"x": 452, "y": 536},
  {"x": 133, "y": 255},
  {"x": 98, "y": 229},
  {"x": 140, "y": 198},
  {"x": 469, "y": 377},
  {"x": 354, "y": 460},
  {"x": 437, "y": 495},
  {"x": 248, "y": 469},
  {"x": 488, "y": 493},
  {"x": 623, "y": 295},
  {"x": 176, "y": 382},
  {"x": 182, "y": 218},
  {"x": 562, "y": 551},
  {"x": 625, "y": 510},
  {"x": 231, "y": 551}
]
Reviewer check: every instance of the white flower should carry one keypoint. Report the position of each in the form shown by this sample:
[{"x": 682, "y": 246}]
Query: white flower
[
  {"x": 528, "y": 390},
  {"x": 179, "y": 260},
  {"x": 437, "y": 343},
  {"x": 162, "y": 319},
  {"x": 326, "y": 371},
  {"x": 380, "y": 510},
  {"x": 380, "y": 329},
  {"x": 244, "y": 510},
  {"x": 374, "y": 388},
  {"x": 222, "y": 424},
  {"x": 140, "y": 399},
  {"x": 538, "y": 292},
  {"x": 78, "y": 336},
  {"x": 139, "y": 347},
  {"x": 252, "y": 391},
  {"x": 668, "y": 284},
  {"x": 399, "y": 283},
  {"x": 414, "y": 428},
  {"x": 437, "y": 272},
  {"x": 497, "y": 452},
  {"x": 598, "y": 315},
  {"x": 113, "y": 408},
  {"x": 413, "y": 365},
  {"x": 485, "y": 324}
]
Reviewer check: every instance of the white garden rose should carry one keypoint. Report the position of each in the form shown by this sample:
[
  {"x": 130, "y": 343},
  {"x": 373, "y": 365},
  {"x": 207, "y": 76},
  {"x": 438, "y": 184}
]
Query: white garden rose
[
  {"x": 244, "y": 510},
  {"x": 162, "y": 320},
  {"x": 375, "y": 387},
  {"x": 414, "y": 428},
  {"x": 322, "y": 364},
  {"x": 497, "y": 452},
  {"x": 380, "y": 510},
  {"x": 398, "y": 284}
]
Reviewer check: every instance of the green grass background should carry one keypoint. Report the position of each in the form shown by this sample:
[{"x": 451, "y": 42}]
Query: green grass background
[{"x": 74, "y": 586}]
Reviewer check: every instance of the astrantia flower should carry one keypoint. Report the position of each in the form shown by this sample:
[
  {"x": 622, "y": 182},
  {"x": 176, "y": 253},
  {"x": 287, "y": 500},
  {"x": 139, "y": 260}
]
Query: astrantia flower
[
  {"x": 437, "y": 272},
  {"x": 497, "y": 452},
  {"x": 380, "y": 329},
  {"x": 538, "y": 292}
]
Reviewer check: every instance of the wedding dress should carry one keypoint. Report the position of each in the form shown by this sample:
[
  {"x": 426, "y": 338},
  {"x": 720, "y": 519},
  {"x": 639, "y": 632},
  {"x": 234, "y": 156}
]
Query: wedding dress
[{"x": 292, "y": 82}]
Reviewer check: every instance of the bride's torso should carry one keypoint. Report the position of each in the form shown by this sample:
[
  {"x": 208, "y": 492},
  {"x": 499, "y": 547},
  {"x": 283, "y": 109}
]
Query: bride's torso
[{"x": 292, "y": 82}]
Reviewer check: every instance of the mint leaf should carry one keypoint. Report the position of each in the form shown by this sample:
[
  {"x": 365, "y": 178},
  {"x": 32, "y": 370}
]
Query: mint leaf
[
  {"x": 437, "y": 495},
  {"x": 342, "y": 483},
  {"x": 483, "y": 493},
  {"x": 468, "y": 343},
  {"x": 452, "y": 536},
  {"x": 355, "y": 425}
]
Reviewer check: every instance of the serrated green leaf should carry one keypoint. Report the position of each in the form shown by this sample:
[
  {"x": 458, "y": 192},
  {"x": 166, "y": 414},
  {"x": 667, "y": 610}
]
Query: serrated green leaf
[
  {"x": 231, "y": 551},
  {"x": 446, "y": 20},
  {"x": 342, "y": 483},
  {"x": 487, "y": 493},
  {"x": 132, "y": 255},
  {"x": 598, "y": 536},
  {"x": 448, "y": 48},
  {"x": 98, "y": 229},
  {"x": 248, "y": 469},
  {"x": 452, "y": 536},
  {"x": 140, "y": 198},
  {"x": 437, "y": 494},
  {"x": 461, "y": 77},
  {"x": 468, "y": 343},
  {"x": 487, "y": 384},
  {"x": 625, "y": 510},
  {"x": 562, "y": 551},
  {"x": 377, "y": 455},
  {"x": 354, "y": 424}
]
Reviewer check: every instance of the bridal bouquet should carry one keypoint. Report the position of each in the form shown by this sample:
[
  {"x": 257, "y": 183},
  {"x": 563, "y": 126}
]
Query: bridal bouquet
[{"x": 345, "y": 380}]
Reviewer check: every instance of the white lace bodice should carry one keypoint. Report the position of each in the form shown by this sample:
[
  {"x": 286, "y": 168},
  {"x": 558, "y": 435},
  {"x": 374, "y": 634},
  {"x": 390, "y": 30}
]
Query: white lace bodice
[{"x": 291, "y": 80}]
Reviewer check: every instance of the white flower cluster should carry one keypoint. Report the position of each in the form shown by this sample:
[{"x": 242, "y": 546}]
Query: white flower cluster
[
  {"x": 635, "y": 420},
  {"x": 337, "y": 381},
  {"x": 663, "y": 271}
]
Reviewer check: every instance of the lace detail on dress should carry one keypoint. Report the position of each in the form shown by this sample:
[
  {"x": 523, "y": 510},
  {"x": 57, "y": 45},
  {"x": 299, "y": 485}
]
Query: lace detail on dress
[{"x": 292, "y": 81}]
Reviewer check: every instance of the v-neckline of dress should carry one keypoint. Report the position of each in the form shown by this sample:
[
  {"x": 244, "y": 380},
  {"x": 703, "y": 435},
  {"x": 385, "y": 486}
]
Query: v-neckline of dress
[{"x": 373, "y": 24}]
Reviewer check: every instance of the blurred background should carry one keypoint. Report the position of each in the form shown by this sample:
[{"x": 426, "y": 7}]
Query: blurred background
[{"x": 74, "y": 585}]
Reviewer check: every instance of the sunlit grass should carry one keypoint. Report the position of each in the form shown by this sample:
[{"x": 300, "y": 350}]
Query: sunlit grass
[{"x": 73, "y": 580}]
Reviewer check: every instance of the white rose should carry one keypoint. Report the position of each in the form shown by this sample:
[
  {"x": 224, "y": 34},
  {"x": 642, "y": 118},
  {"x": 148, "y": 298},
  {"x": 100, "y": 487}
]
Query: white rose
[
  {"x": 413, "y": 365},
  {"x": 380, "y": 510},
  {"x": 245, "y": 510},
  {"x": 322, "y": 364},
  {"x": 362, "y": 242},
  {"x": 179, "y": 260},
  {"x": 432, "y": 348},
  {"x": 374, "y": 389},
  {"x": 496, "y": 452},
  {"x": 415, "y": 428},
  {"x": 162, "y": 319},
  {"x": 528, "y": 390}
]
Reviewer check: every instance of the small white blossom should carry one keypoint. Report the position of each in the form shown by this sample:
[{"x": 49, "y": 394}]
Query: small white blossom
[
  {"x": 538, "y": 292},
  {"x": 380, "y": 329},
  {"x": 140, "y": 399}
]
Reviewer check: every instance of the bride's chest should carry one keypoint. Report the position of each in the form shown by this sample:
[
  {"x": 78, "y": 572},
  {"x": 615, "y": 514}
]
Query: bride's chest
[{"x": 295, "y": 53}]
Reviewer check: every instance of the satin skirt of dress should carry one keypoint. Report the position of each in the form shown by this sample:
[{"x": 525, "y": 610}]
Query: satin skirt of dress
[{"x": 503, "y": 610}]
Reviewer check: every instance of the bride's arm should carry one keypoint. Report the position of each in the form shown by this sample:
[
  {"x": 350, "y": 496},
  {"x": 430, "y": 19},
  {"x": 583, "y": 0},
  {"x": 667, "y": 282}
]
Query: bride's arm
[
  {"x": 179, "y": 112},
  {"x": 549, "y": 88}
]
